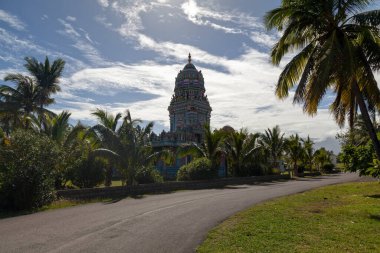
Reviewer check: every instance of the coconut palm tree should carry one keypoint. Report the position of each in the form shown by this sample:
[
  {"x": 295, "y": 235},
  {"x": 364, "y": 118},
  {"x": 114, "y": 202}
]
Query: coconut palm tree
[
  {"x": 47, "y": 77},
  {"x": 322, "y": 157},
  {"x": 106, "y": 119},
  {"x": 308, "y": 152},
  {"x": 20, "y": 104},
  {"x": 240, "y": 147},
  {"x": 110, "y": 121},
  {"x": 273, "y": 142},
  {"x": 71, "y": 142},
  {"x": 339, "y": 49},
  {"x": 129, "y": 147},
  {"x": 294, "y": 152}
]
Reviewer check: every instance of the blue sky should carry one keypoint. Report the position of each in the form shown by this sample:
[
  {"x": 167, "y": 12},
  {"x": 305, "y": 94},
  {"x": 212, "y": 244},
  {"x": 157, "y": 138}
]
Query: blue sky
[{"x": 125, "y": 54}]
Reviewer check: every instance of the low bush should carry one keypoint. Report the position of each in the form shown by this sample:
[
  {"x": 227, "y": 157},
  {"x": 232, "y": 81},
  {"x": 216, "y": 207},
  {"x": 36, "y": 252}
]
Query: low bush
[
  {"x": 27, "y": 164},
  {"x": 328, "y": 168},
  {"x": 148, "y": 175},
  {"x": 198, "y": 169},
  {"x": 88, "y": 172}
]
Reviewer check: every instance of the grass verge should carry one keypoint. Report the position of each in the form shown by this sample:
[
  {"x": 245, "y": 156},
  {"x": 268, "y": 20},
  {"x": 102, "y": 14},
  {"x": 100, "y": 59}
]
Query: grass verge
[{"x": 338, "y": 218}]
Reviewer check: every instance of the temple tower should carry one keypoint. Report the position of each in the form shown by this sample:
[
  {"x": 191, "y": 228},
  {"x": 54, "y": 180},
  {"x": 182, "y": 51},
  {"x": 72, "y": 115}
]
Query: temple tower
[{"x": 189, "y": 108}]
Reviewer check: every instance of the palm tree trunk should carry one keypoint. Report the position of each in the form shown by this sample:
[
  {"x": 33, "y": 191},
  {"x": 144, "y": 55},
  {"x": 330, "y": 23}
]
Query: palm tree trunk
[
  {"x": 366, "y": 118},
  {"x": 108, "y": 179}
]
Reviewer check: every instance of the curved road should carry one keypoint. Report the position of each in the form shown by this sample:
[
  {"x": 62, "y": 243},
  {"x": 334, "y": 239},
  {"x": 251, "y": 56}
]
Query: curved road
[{"x": 175, "y": 222}]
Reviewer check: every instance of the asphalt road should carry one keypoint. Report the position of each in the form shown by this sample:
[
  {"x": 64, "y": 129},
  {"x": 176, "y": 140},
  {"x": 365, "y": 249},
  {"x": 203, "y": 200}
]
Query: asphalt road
[{"x": 175, "y": 222}]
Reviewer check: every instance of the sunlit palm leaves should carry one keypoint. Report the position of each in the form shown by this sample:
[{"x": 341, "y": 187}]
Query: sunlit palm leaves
[
  {"x": 47, "y": 77},
  {"x": 340, "y": 48}
]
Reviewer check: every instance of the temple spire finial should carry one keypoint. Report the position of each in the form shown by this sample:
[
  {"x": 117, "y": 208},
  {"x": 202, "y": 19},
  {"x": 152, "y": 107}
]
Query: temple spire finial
[{"x": 189, "y": 58}]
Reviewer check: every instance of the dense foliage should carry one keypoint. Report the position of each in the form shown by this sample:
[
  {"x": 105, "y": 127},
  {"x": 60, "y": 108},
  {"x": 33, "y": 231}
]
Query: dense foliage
[
  {"x": 88, "y": 173},
  {"x": 148, "y": 175},
  {"x": 360, "y": 158},
  {"x": 27, "y": 166},
  {"x": 198, "y": 169}
]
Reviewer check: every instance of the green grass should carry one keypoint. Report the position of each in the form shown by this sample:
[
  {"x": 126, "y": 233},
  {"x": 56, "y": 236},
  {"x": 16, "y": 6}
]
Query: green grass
[
  {"x": 339, "y": 218},
  {"x": 114, "y": 183}
]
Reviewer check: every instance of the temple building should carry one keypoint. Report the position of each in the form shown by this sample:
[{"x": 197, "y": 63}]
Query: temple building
[{"x": 189, "y": 112}]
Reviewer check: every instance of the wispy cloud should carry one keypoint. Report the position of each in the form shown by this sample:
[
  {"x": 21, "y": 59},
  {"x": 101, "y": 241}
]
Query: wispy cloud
[
  {"x": 12, "y": 20},
  {"x": 71, "y": 18},
  {"x": 69, "y": 29},
  {"x": 239, "y": 22},
  {"x": 82, "y": 42},
  {"x": 44, "y": 17},
  {"x": 103, "y": 3},
  {"x": 13, "y": 49}
]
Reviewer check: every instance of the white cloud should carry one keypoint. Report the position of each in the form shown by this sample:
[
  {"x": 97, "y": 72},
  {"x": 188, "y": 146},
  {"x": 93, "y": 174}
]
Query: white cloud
[
  {"x": 103, "y": 3},
  {"x": 69, "y": 29},
  {"x": 44, "y": 17},
  {"x": 263, "y": 39},
  {"x": 71, "y": 18},
  {"x": 82, "y": 42},
  {"x": 12, "y": 20},
  {"x": 12, "y": 46},
  {"x": 238, "y": 22}
]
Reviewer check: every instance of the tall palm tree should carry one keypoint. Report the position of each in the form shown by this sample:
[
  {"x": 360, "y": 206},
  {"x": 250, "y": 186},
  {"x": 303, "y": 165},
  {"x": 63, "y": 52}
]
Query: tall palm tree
[
  {"x": 294, "y": 151},
  {"x": 240, "y": 147},
  {"x": 19, "y": 105},
  {"x": 109, "y": 121},
  {"x": 47, "y": 77},
  {"x": 273, "y": 142},
  {"x": 309, "y": 152},
  {"x": 340, "y": 48}
]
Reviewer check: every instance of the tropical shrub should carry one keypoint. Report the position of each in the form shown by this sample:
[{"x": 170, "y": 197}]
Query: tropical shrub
[
  {"x": 88, "y": 172},
  {"x": 360, "y": 159},
  {"x": 198, "y": 169},
  {"x": 328, "y": 168},
  {"x": 148, "y": 175},
  {"x": 27, "y": 164}
]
